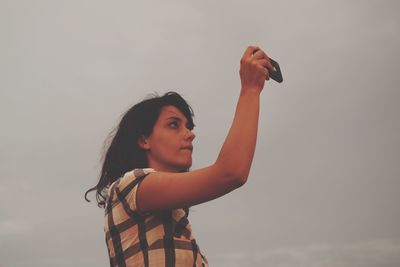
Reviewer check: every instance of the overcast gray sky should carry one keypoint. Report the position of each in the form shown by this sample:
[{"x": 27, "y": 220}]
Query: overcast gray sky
[{"x": 324, "y": 189}]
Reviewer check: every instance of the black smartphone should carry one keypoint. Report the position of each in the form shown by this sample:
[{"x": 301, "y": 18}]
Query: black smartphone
[{"x": 276, "y": 73}]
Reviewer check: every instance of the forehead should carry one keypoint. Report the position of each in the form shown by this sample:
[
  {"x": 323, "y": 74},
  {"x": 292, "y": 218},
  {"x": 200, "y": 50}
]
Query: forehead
[{"x": 171, "y": 111}]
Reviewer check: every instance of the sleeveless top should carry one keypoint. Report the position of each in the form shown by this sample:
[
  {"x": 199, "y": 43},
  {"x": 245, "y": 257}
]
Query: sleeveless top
[{"x": 146, "y": 239}]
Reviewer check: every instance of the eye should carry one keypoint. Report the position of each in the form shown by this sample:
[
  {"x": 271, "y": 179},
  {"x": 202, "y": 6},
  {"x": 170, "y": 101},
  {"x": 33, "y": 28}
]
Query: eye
[{"x": 174, "y": 123}]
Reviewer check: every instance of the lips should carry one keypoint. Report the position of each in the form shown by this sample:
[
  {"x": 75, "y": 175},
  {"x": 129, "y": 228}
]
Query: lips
[{"x": 188, "y": 147}]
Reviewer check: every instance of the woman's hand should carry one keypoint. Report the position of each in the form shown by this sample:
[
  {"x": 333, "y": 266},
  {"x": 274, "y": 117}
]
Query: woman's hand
[{"x": 254, "y": 66}]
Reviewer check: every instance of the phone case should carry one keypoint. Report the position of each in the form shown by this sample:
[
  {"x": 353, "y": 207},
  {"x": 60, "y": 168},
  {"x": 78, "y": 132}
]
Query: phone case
[{"x": 275, "y": 74}]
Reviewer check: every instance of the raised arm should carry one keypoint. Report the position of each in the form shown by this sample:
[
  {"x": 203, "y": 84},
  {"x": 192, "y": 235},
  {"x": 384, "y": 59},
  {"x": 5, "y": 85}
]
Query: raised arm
[{"x": 165, "y": 190}]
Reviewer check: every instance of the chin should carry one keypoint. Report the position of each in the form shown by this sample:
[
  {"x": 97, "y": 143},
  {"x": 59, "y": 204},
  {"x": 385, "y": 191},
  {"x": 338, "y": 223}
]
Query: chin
[{"x": 185, "y": 168}]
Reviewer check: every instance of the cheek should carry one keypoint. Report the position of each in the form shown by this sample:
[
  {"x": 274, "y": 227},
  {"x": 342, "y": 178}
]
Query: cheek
[{"x": 166, "y": 146}]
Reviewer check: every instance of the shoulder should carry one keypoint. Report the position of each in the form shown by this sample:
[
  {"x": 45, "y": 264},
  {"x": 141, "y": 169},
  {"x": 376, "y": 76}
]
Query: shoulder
[
  {"x": 124, "y": 189},
  {"x": 129, "y": 181},
  {"x": 131, "y": 178}
]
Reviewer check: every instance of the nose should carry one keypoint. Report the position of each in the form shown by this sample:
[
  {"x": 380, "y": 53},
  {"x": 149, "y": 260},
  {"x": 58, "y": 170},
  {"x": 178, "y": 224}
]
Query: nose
[{"x": 189, "y": 135}]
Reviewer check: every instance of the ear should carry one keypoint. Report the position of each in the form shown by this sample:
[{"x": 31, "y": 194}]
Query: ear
[{"x": 142, "y": 143}]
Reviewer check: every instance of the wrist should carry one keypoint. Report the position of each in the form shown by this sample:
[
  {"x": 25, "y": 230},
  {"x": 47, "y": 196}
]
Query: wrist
[{"x": 250, "y": 90}]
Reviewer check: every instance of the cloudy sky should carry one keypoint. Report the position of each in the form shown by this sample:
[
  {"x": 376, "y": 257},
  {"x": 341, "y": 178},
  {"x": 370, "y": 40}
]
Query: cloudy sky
[{"x": 324, "y": 188}]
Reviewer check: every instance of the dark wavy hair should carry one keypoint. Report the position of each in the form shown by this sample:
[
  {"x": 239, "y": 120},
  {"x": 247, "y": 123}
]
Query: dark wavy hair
[{"x": 124, "y": 153}]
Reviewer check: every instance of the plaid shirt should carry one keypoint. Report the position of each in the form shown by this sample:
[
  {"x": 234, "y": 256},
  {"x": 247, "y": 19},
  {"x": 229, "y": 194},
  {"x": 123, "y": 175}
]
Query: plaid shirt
[{"x": 146, "y": 239}]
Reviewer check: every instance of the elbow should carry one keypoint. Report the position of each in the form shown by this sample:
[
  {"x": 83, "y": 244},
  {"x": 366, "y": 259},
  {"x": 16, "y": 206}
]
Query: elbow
[
  {"x": 241, "y": 177},
  {"x": 242, "y": 180},
  {"x": 239, "y": 182},
  {"x": 238, "y": 179},
  {"x": 232, "y": 177}
]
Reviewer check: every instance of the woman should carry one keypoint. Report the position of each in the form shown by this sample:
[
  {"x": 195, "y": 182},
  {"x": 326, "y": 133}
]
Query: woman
[{"x": 145, "y": 184}]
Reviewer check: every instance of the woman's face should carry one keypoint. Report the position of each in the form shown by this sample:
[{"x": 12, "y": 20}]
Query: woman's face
[{"x": 166, "y": 147}]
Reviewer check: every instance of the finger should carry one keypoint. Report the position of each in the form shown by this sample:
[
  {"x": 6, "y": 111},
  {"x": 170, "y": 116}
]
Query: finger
[
  {"x": 266, "y": 72},
  {"x": 265, "y": 54},
  {"x": 250, "y": 51},
  {"x": 265, "y": 63},
  {"x": 260, "y": 54}
]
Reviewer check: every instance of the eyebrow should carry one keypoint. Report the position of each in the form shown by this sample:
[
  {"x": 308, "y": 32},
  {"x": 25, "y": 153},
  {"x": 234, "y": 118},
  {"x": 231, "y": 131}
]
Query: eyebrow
[{"x": 176, "y": 118}]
